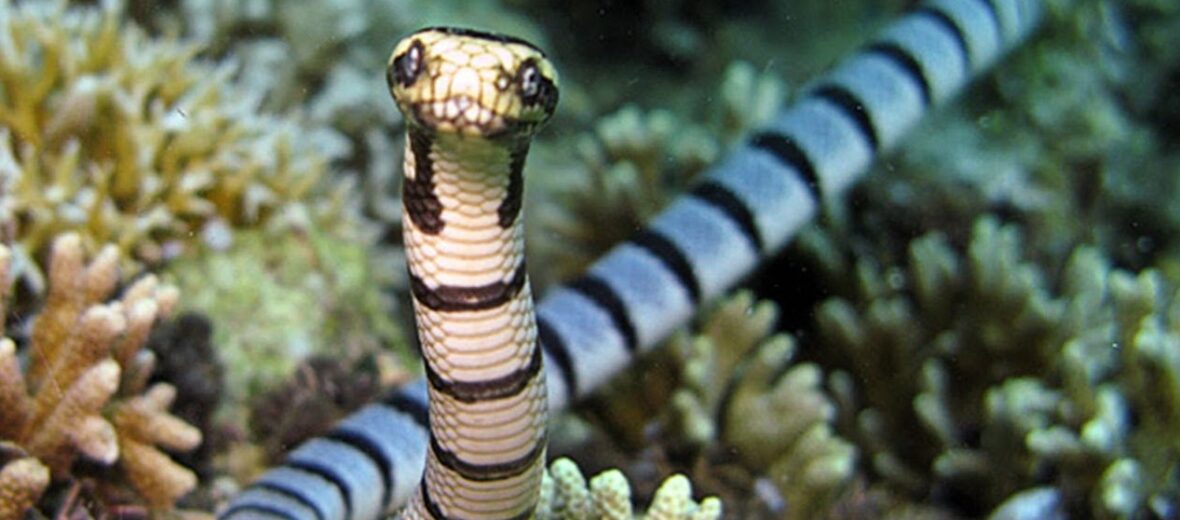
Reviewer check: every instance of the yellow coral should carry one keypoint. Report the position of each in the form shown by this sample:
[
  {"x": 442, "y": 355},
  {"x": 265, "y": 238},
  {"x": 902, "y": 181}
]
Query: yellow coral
[
  {"x": 565, "y": 496},
  {"x": 737, "y": 390},
  {"x": 130, "y": 140},
  {"x": 21, "y": 482},
  {"x": 82, "y": 393}
]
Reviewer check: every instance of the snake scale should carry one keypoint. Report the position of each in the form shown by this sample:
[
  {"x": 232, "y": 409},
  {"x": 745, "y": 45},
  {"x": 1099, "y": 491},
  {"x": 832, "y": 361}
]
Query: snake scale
[{"x": 745, "y": 209}]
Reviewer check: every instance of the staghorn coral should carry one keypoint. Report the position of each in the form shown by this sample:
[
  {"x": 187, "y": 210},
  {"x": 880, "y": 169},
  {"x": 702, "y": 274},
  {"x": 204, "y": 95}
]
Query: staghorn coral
[
  {"x": 85, "y": 390},
  {"x": 566, "y": 496},
  {"x": 132, "y": 140},
  {"x": 770, "y": 410},
  {"x": 966, "y": 378}
]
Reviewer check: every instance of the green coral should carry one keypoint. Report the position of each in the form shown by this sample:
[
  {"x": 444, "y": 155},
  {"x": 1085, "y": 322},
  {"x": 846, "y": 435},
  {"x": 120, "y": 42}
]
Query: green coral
[
  {"x": 566, "y": 496},
  {"x": 966, "y": 373},
  {"x": 731, "y": 399},
  {"x": 132, "y": 140}
]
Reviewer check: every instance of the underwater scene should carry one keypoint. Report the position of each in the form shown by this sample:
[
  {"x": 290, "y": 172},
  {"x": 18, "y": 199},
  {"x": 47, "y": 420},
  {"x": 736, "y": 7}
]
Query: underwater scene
[{"x": 786, "y": 259}]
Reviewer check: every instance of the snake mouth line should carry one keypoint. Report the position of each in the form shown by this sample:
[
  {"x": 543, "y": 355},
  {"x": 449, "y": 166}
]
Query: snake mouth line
[{"x": 462, "y": 115}]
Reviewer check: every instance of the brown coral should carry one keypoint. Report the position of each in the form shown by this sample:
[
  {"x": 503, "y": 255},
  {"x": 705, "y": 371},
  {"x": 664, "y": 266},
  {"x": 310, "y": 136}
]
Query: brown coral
[
  {"x": 83, "y": 392},
  {"x": 21, "y": 483}
]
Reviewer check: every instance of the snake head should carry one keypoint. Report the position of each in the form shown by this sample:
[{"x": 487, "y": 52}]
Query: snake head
[{"x": 462, "y": 81}]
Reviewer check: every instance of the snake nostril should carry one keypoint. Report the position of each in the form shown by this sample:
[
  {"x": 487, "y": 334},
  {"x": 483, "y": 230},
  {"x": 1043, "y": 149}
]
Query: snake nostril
[{"x": 406, "y": 68}]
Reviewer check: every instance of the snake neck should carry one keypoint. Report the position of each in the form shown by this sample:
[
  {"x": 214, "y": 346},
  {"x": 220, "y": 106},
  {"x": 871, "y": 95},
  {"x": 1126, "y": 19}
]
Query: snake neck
[{"x": 474, "y": 311}]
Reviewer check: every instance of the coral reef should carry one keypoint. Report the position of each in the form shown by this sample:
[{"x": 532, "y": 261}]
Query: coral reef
[
  {"x": 565, "y": 495},
  {"x": 84, "y": 392},
  {"x": 955, "y": 366},
  {"x": 134, "y": 141},
  {"x": 983, "y": 367},
  {"x": 967, "y": 379},
  {"x": 143, "y": 142}
]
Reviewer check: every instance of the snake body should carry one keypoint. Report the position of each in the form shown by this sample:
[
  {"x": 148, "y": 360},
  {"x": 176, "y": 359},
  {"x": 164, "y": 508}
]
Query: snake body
[
  {"x": 746, "y": 208},
  {"x": 472, "y": 101}
]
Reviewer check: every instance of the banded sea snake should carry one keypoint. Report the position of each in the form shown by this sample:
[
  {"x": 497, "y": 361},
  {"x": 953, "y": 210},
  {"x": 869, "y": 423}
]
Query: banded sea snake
[{"x": 746, "y": 208}]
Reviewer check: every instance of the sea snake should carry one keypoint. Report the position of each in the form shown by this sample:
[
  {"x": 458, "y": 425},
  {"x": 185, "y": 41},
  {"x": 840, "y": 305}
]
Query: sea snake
[
  {"x": 745, "y": 209},
  {"x": 472, "y": 101}
]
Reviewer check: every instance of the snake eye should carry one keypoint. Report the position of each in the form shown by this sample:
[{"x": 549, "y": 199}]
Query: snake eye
[
  {"x": 407, "y": 67},
  {"x": 535, "y": 89}
]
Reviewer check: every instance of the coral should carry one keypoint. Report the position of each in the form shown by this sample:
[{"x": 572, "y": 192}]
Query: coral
[
  {"x": 309, "y": 292},
  {"x": 1043, "y": 503},
  {"x": 21, "y": 483},
  {"x": 963, "y": 375},
  {"x": 134, "y": 141},
  {"x": 318, "y": 38},
  {"x": 187, "y": 359},
  {"x": 85, "y": 390},
  {"x": 565, "y": 496},
  {"x": 770, "y": 410},
  {"x": 733, "y": 407}
]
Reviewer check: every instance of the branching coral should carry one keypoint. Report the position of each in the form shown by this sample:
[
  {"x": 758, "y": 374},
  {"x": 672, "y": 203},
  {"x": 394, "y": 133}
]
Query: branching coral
[
  {"x": 966, "y": 378},
  {"x": 736, "y": 402},
  {"x": 770, "y": 410},
  {"x": 85, "y": 390},
  {"x": 187, "y": 358},
  {"x": 132, "y": 140},
  {"x": 565, "y": 495},
  {"x": 21, "y": 483}
]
